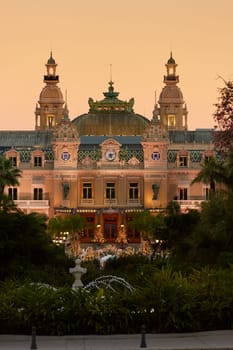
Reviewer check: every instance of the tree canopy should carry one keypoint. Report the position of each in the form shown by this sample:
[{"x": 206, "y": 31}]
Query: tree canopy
[
  {"x": 212, "y": 172},
  {"x": 8, "y": 174},
  {"x": 223, "y": 116},
  {"x": 73, "y": 225},
  {"x": 27, "y": 251}
]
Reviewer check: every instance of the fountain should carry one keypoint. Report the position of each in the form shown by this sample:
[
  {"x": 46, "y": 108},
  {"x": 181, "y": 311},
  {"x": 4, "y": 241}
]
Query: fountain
[{"x": 109, "y": 282}]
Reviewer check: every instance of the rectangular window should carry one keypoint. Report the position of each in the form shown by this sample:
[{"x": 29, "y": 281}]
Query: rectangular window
[
  {"x": 13, "y": 161},
  {"x": 208, "y": 158},
  {"x": 13, "y": 193},
  {"x": 38, "y": 161},
  {"x": 50, "y": 121},
  {"x": 87, "y": 190},
  {"x": 38, "y": 194},
  {"x": 183, "y": 161},
  {"x": 206, "y": 193},
  {"x": 171, "y": 121},
  {"x": 133, "y": 190},
  {"x": 183, "y": 194},
  {"x": 38, "y": 120},
  {"x": 110, "y": 190}
]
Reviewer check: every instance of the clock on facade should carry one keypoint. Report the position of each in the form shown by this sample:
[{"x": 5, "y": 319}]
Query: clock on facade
[
  {"x": 65, "y": 155},
  {"x": 155, "y": 155},
  {"x": 110, "y": 155}
]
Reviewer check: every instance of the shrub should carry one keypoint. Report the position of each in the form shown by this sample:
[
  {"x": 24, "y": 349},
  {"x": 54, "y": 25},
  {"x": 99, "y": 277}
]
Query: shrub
[{"x": 165, "y": 301}]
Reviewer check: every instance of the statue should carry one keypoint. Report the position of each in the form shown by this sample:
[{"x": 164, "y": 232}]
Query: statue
[
  {"x": 131, "y": 103},
  {"x": 66, "y": 189},
  {"x": 77, "y": 271},
  {"x": 155, "y": 189},
  {"x": 91, "y": 103}
]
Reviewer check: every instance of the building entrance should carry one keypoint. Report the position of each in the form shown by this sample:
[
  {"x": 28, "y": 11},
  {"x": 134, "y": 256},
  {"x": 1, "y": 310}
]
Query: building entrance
[{"x": 110, "y": 228}]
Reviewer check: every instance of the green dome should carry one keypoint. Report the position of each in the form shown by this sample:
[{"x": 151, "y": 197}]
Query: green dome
[
  {"x": 110, "y": 124},
  {"x": 111, "y": 116}
]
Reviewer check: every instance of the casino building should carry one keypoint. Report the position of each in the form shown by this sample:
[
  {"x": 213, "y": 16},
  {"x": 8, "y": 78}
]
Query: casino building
[{"x": 110, "y": 162}]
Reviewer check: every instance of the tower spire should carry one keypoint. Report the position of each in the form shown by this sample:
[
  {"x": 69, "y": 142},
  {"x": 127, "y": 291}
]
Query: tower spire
[
  {"x": 110, "y": 72},
  {"x": 171, "y": 78},
  {"x": 171, "y": 107},
  {"x": 66, "y": 96},
  {"x": 50, "y": 108},
  {"x": 51, "y": 77}
]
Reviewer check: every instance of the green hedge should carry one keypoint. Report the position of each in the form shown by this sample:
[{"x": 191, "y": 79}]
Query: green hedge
[{"x": 168, "y": 302}]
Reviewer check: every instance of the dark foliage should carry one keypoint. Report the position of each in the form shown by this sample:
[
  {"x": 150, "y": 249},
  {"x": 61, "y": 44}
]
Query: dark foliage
[
  {"x": 164, "y": 300},
  {"x": 26, "y": 251},
  {"x": 223, "y": 116}
]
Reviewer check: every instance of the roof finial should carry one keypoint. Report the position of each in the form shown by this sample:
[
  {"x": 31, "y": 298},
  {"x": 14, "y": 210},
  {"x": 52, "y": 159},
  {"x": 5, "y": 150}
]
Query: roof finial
[
  {"x": 51, "y": 60},
  {"x": 66, "y": 96},
  {"x": 110, "y": 72},
  {"x": 66, "y": 111},
  {"x": 171, "y": 59}
]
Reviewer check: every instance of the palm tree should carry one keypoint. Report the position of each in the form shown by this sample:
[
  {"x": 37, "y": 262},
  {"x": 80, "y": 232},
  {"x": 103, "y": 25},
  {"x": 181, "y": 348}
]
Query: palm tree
[
  {"x": 72, "y": 225},
  {"x": 148, "y": 225},
  {"x": 8, "y": 177},
  {"x": 7, "y": 204},
  {"x": 144, "y": 223},
  {"x": 228, "y": 168},
  {"x": 212, "y": 172},
  {"x": 75, "y": 224},
  {"x": 56, "y": 227}
]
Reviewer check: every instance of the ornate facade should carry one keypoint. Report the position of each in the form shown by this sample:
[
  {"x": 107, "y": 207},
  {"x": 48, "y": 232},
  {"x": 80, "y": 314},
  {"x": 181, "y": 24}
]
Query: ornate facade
[{"x": 110, "y": 162}]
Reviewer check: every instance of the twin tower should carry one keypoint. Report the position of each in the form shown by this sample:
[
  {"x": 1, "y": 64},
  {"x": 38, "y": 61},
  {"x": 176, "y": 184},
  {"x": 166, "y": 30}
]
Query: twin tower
[{"x": 170, "y": 110}]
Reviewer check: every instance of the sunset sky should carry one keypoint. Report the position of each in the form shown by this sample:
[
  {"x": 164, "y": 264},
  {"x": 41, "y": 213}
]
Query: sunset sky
[{"x": 134, "y": 36}]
